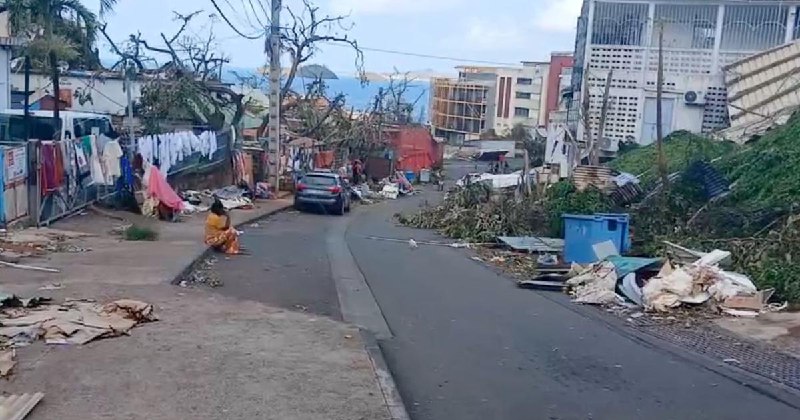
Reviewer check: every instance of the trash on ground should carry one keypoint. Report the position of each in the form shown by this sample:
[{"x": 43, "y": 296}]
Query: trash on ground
[
  {"x": 74, "y": 322},
  {"x": 595, "y": 285},
  {"x": 672, "y": 286},
  {"x": 17, "y": 407},
  {"x": 7, "y": 364},
  {"x": 52, "y": 286},
  {"x": 28, "y": 267},
  {"x": 390, "y": 191},
  {"x": 553, "y": 285}
]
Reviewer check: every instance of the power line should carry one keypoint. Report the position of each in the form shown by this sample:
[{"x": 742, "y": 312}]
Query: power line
[{"x": 435, "y": 57}]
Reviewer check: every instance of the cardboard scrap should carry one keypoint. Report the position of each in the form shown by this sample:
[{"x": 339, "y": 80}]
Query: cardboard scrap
[{"x": 75, "y": 322}]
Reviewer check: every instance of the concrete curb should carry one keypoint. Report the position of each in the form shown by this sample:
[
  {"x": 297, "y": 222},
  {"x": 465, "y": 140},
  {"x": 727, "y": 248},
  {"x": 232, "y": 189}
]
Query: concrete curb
[
  {"x": 391, "y": 395},
  {"x": 208, "y": 251}
]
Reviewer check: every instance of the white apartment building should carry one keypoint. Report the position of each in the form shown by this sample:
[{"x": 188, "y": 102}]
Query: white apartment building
[
  {"x": 488, "y": 98},
  {"x": 700, "y": 37}
]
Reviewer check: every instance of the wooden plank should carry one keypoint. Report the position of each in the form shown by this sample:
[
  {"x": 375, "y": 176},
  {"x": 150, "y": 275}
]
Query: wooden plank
[{"x": 17, "y": 407}]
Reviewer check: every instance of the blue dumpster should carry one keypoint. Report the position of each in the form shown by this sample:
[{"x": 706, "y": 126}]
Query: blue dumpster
[
  {"x": 581, "y": 232},
  {"x": 411, "y": 176},
  {"x": 626, "y": 232}
]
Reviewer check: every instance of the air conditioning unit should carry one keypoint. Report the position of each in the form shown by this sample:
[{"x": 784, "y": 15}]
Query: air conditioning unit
[{"x": 694, "y": 97}]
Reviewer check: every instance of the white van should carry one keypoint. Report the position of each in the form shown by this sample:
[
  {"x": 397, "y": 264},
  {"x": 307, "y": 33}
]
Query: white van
[{"x": 73, "y": 124}]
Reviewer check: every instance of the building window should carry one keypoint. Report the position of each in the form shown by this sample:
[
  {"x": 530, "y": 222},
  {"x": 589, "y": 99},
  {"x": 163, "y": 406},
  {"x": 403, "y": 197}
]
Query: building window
[
  {"x": 523, "y": 95},
  {"x": 522, "y": 112},
  {"x": 619, "y": 23},
  {"x": 524, "y": 81},
  {"x": 753, "y": 27}
]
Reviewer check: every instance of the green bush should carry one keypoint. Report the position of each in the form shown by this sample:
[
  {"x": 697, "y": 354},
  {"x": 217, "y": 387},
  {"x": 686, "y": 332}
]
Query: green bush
[{"x": 140, "y": 233}]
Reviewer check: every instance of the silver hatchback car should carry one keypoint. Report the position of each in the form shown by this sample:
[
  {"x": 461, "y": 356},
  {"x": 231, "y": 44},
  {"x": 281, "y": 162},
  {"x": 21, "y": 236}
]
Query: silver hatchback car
[{"x": 325, "y": 189}]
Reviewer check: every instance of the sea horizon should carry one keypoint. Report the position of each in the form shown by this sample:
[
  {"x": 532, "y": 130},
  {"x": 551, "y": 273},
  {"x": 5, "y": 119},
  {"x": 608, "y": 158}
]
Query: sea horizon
[{"x": 357, "y": 95}]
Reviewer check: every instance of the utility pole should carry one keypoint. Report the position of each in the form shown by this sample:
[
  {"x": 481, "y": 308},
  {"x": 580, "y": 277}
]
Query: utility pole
[
  {"x": 593, "y": 157},
  {"x": 274, "y": 129},
  {"x": 662, "y": 162}
]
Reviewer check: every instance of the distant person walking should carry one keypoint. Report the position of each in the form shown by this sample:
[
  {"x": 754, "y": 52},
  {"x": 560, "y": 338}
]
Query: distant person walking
[{"x": 358, "y": 170}]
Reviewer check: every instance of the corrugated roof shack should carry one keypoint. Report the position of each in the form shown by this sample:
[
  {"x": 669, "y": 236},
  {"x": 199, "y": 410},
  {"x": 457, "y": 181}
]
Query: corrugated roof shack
[{"x": 415, "y": 148}]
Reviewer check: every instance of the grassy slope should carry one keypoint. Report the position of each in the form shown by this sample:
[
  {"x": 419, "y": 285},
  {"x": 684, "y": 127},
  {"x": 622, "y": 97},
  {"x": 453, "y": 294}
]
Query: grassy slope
[{"x": 680, "y": 148}]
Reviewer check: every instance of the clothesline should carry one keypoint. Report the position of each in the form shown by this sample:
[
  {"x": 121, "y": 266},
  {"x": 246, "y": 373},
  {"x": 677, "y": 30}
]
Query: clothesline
[
  {"x": 169, "y": 149},
  {"x": 80, "y": 162}
]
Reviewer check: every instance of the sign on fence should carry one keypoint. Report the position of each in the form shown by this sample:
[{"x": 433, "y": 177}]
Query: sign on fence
[
  {"x": 13, "y": 182},
  {"x": 16, "y": 164}
]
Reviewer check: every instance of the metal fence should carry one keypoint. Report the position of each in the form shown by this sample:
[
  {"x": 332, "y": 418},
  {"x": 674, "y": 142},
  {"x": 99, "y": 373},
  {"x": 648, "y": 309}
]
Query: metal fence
[
  {"x": 69, "y": 192},
  {"x": 13, "y": 183}
]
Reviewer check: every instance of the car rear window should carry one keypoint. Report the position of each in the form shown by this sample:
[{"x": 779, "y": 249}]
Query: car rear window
[{"x": 324, "y": 181}]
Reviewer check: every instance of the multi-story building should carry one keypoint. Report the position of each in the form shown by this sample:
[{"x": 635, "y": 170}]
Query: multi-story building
[
  {"x": 698, "y": 38},
  {"x": 488, "y": 98}
]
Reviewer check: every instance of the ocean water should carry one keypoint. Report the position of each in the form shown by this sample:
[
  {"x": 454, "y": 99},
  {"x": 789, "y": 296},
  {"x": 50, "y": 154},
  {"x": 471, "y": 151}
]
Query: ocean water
[{"x": 357, "y": 95}]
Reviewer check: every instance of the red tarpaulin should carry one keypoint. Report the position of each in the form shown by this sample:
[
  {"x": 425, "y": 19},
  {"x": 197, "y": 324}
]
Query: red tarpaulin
[{"x": 415, "y": 148}]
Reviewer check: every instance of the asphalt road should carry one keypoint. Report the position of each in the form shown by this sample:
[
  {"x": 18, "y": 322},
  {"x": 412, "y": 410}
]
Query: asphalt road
[{"x": 467, "y": 344}]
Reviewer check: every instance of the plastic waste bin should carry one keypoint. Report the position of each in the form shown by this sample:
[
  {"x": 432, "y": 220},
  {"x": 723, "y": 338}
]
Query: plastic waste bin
[
  {"x": 627, "y": 234},
  {"x": 425, "y": 176},
  {"x": 581, "y": 232},
  {"x": 411, "y": 176}
]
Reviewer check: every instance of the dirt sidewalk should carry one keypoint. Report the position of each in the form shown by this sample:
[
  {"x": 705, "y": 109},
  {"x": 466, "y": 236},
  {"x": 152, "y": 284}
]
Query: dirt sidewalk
[{"x": 208, "y": 357}]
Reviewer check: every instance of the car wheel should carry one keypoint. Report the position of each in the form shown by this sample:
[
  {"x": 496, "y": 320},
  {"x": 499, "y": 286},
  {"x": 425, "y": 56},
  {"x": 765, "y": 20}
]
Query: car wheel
[
  {"x": 297, "y": 206},
  {"x": 339, "y": 208}
]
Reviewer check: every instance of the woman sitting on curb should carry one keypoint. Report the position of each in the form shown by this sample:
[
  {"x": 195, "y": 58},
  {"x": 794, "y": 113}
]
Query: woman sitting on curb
[{"x": 219, "y": 234}]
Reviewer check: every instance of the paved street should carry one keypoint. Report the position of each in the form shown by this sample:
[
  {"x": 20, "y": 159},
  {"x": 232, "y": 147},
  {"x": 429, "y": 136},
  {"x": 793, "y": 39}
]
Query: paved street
[{"x": 467, "y": 344}]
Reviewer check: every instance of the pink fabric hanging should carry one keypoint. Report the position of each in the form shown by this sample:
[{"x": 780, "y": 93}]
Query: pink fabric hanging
[{"x": 159, "y": 188}]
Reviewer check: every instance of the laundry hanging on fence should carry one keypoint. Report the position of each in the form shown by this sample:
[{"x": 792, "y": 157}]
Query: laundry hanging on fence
[
  {"x": 112, "y": 153},
  {"x": 96, "y": 169},
  {"x": 167, "y": 150},
  {"x": 52, "y": 169}
]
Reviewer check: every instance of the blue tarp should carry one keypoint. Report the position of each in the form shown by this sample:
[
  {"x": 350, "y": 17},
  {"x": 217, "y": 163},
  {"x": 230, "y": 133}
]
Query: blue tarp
[{"x": 627, "y": 265}]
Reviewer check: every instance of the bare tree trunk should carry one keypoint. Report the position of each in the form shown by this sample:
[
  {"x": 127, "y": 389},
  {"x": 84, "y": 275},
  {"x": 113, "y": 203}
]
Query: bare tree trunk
[{"x": 662, "y": 162}]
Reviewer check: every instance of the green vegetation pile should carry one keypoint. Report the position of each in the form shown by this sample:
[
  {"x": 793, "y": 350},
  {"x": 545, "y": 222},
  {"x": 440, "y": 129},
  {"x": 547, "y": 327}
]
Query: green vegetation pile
[
  {"x": 758, "y": 221},
  {"x": 476, "y": 213}
]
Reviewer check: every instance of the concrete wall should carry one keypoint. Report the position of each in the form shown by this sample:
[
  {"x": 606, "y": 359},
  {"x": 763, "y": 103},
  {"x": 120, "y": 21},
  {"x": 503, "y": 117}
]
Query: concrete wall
[
  {"x": 108, "y": 94},
  {"x": 558, "y": 63}
]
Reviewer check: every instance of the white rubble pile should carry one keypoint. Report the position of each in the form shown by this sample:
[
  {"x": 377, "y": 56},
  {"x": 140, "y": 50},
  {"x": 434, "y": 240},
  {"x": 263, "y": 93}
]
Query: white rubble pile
[{"x": 700, "y": 282}]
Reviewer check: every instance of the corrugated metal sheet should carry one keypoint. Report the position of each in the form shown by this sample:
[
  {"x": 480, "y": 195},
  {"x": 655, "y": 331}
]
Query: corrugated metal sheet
[
  {"x": 533, "y": 243},
  {"x": 763, "y": 90},
  {"x": 16, "y": 407}
]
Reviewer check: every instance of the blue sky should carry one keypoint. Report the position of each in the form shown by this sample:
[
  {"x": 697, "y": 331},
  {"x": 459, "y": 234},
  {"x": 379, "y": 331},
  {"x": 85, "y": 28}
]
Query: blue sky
[{"x": 503, "y": 31}]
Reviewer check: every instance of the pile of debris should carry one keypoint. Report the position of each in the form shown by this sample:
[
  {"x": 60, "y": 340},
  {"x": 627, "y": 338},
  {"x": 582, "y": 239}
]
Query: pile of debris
[
  {"x": 203, "y": 273},
  {"x": 18, "y": 245},
  {"x": 663, "y": 286},
  {"x": 23, "y": 321}
]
